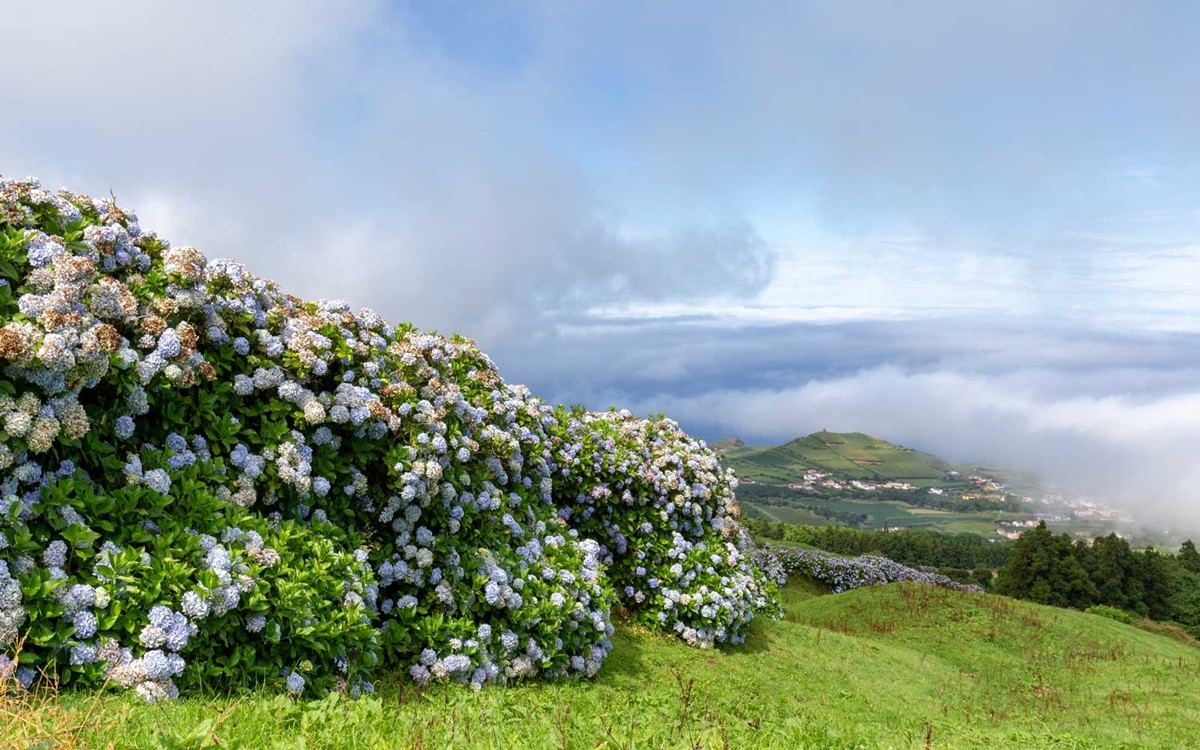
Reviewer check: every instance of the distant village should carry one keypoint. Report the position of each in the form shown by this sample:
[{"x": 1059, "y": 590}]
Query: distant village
[
  {"x": 982, "y": 488},
  {"x": 1069, "y": 510},
  {"x": 814, "y": 478},
  {"x": 1058, "y": 509}
]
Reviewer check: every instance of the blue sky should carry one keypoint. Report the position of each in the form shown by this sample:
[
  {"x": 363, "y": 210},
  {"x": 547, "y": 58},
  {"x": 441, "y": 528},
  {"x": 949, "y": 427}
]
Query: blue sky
[{"x": 973, "y": 228}]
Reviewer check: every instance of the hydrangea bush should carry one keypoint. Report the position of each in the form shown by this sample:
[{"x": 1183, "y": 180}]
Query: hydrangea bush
[
  {"x": 663, "y": 509},
  {"x": 846, "y": 573},
  {"x": 203, "y": 479}
]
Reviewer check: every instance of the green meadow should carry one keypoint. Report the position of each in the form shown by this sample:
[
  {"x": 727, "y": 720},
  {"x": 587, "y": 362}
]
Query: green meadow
[{"x": 900, "y": 666}]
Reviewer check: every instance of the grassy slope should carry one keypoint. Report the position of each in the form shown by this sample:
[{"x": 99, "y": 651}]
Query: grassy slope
[
  {"x": 882, "y": 667},
  {"x": 852, "y": 454}
]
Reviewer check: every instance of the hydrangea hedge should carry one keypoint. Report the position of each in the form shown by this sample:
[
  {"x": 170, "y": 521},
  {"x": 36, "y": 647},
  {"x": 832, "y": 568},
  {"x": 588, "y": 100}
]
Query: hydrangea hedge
[
  {"x": 206, "y": 480},
  {"x": 846, "y": 573}
]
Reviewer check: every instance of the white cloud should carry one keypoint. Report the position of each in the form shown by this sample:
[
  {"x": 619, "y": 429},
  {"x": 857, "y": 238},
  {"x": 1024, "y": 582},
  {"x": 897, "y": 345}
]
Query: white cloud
[
  {"x": 329, "y": 149},
  {"x": 1138, "y": 451}
]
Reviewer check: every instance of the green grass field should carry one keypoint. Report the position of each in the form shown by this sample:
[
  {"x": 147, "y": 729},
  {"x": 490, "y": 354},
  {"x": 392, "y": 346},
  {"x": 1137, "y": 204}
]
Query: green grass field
[
  {"x": 902, "y": 666},
  {"x": 852, "y": 454},
  {"x": 787, "y": 514}
]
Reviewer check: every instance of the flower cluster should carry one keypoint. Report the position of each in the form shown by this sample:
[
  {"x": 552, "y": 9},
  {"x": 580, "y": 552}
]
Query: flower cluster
[
  {"x": 203, "y": 478},
  {"x": 662, "y": 507},
  {"x": 12, "y": 615},
  {"x": 845, "y": 573}
]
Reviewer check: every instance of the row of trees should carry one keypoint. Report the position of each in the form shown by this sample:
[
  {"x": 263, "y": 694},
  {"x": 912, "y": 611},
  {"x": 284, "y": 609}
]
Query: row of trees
[
  {"x": 1053, "y": 569},
  {"x": 955, "y": 503}
]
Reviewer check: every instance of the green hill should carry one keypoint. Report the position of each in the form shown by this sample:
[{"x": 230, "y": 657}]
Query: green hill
[
  {"x": 726, "y": 444},
  {"x": 901, "y": 666},
  {"x": 853, "y": 455}
]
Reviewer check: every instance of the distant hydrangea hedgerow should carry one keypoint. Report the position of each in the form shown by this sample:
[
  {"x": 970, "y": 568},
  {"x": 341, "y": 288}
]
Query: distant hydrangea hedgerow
[
  {"x": 203, "y": 479},
  {"x": 846, "y": 573}
]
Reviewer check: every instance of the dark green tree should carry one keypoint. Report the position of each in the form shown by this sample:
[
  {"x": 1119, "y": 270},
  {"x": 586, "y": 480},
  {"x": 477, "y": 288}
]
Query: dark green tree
[
  {"x": 1155, "y": 571},
  {"x": 1116, "y": 573},
  {"x": 1184, "y": 599},
  {"x": 1189, "y": 558},
  {"x": 1044, "y": 569}
]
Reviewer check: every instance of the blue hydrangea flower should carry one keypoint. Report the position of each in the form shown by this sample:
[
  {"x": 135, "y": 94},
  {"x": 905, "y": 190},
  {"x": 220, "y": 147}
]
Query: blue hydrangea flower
[
  {"x": 55, "y": 555},
  {"x": 156, "y": 665},
  {"x": 85, "y": 625},
  {"x": 157, "y": 480},
  {"x": 194, "y": 606},
  {"x": 83, "y": 653}
]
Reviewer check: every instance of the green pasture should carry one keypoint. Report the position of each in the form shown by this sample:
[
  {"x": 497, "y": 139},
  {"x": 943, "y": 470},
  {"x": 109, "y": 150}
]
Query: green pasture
[{"x": 901, "y": 666}]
